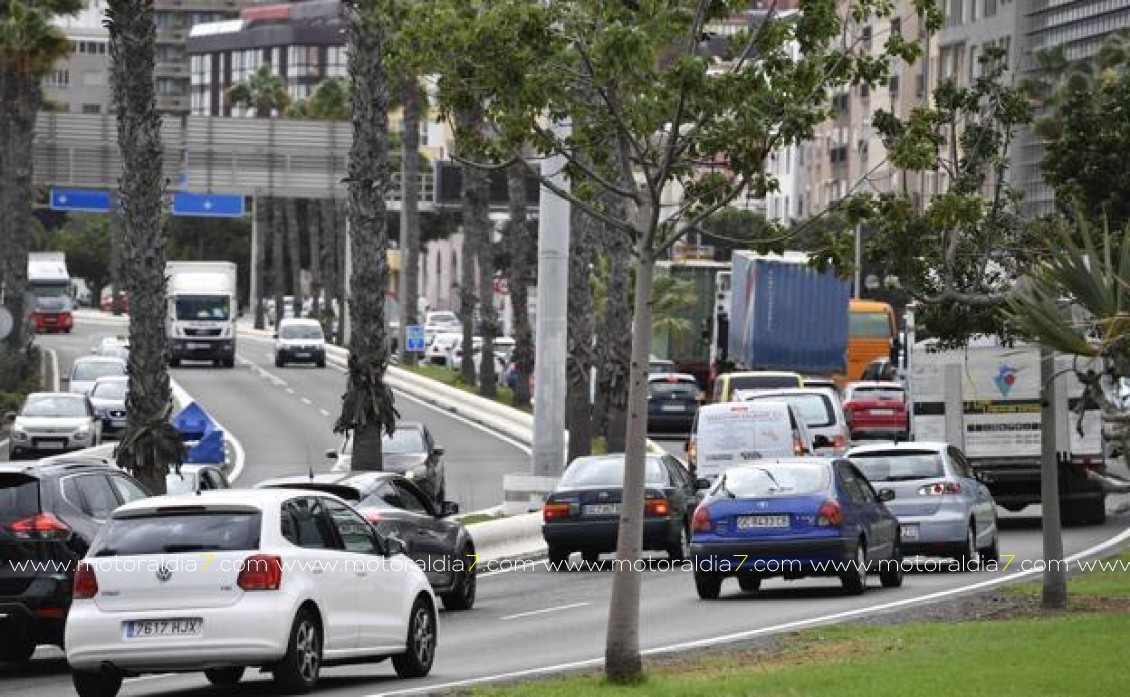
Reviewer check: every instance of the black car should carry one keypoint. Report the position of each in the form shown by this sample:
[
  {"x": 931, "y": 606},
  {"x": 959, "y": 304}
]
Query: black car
[
  {"x": 50, "y": 512},
  {"x": 395, "y": 506},
  {"x": 583, "y": 513},
  {"x": 672, "y": 401},
  {"x": 410, "y": 451}
]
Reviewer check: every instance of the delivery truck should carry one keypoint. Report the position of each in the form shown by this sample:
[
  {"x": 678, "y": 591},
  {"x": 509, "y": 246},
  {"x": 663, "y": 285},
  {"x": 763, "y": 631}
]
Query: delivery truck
[
  {"x": 50, "y": 292},
  {"x": 202, "y": 312}
]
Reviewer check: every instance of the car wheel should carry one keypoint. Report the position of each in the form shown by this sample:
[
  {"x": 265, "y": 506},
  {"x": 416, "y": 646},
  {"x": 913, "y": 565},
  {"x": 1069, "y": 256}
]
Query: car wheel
[
  {"x": 225, "y": 677},
  {"x": 174, "y": 362},
  {"x": 709, "y": 586},
  {"x": 590, "y": 556},
  {"x": 890, "y": 575},
  {"x": 321, "y": 363},
  {"x": 854, "y": 577},
  {"x": 416, "y": 662},
  {"x": 680, "y": 549},
  {"x": 229, "y": 362},
  {"x": 279, "y": 362},
  {"x": 462, "y": 594},
  {"x": 298, "y": 670},
  {"x": 557, "y": 558},
  {"x": 749, "y": 584},
  {"x": 992, "y": 553},
  {"x": 967, "y": 556},
  {"x": 96, "y": 683},
  {"x": 16, "y": 651}
]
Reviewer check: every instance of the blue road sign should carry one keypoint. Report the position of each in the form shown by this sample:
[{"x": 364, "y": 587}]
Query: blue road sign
[
  {"x": 191, "y": 204},
  {"x": 80, "y": 200},
  {"x": 414, "y": 338}
]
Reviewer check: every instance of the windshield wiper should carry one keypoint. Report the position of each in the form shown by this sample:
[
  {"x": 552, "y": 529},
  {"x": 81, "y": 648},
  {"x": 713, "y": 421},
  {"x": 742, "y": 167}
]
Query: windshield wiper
[{"x": 173, "y": 549}]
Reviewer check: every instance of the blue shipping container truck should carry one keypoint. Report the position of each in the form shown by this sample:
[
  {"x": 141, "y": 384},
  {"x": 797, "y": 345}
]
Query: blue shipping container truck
[{"x": 786, "y": 315}]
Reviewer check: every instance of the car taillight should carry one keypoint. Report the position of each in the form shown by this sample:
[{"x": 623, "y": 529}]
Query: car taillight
[
  {"x": 701, "y": 521},
  {"x": 798, "y": 446},
  {"x": 939, "y": 489},
  {"x": 839, "y": 442},
  {"x": 655, "y": 507},
  {"x": 372, "y": 516},
  {"x": 86, "y": 583},
  {"x": 44, "y": 526},
  {"x": 829, "y": 514},
  {"x": 553, "y": 510},
  {"x": 261, "y": 572},
  {"x": 1089, "y": 464}
]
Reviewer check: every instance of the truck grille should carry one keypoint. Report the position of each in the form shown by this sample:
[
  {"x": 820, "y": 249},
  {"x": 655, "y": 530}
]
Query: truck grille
[{"x": 202, "y": 332}]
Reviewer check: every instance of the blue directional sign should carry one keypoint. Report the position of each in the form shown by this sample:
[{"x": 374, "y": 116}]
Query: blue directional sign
[
  {"x": 414, "y": 338},
  {"x": 191, "y": 204},
  {"x": 80, "y": 200}
]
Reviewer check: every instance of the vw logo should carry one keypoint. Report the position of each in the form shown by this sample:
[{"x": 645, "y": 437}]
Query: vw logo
[
  {"x": 602, "y": 496},
  {"x": 763, "y": 504},
  {"x": 164, "y": 573}
]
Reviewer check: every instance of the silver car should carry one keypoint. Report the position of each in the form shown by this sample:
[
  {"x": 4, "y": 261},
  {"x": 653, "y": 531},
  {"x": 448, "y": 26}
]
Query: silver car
[
  {"x": 53, "y": 422},
  {"x": 942, "y": 509},
  {"x": 196, "y": 477},
  {"x": 88, "y": 369}
]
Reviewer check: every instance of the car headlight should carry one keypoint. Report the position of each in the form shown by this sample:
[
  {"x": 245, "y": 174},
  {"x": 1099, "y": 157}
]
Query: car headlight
[
  {"x": 19, "y": 434},
  {"x": 82, "y": 434},
  {"x": 410, "y": 474}
]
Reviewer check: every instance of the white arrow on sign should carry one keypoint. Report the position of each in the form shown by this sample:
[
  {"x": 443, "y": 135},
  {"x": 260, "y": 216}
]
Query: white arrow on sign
[
  {"x": 207, "y": 204},
  {"x": 62, "y": 199}
]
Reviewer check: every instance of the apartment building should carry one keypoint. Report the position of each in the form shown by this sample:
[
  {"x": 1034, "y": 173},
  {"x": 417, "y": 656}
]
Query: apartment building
[{"x": 80, "y": 82}]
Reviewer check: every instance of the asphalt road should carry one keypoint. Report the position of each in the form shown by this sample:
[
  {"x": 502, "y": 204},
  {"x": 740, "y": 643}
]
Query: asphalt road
[{"x": 528, "y": 619}]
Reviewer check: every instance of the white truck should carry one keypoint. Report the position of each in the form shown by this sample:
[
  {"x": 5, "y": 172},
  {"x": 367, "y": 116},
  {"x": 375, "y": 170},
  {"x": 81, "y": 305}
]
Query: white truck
[
  {"x": 202, "y": 310},
  {"x": 985, "y": 399},
  {"x": 51, "y": 297}
]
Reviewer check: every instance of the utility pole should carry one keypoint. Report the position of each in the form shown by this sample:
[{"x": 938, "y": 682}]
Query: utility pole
[
  {"x": 253, "y": 292},
  {"x": 1055, "y": 576},
  {"x": 858, "y": 287}
]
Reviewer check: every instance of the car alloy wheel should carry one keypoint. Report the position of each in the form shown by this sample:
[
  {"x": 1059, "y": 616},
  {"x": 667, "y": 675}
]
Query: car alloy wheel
[
  {"x": 680, "y": 549},
  {"x": 854, "y": 579},
  {"x": 890, "y": 575},
  {"x": 308, "y": 650},
  {"x": 968, "y": 556},
  {"x": 416, "y": 661},
  {"x": 298, "y": 671}
]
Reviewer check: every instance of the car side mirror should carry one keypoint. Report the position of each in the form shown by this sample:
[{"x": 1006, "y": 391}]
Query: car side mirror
[
  {"x": 10, "y": 417},
  {"x": 886, "y": 495},
  {"x": 686, "y": 446},
  {"x": 275, "y": 335},
  {"x": 448, "y": 508},
  {"x": 331, "y": 454},
  {"x": 821, "y": 441},
  {"x": 702, "y": 483},
  {"x": 438, "y": 450},
  {"x": 394, "y": 546}
]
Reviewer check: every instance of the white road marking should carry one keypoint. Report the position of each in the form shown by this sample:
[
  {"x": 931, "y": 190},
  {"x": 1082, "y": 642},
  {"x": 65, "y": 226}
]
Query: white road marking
[
  {"x": 516, "y": 566},
  {"x": 306, "y": 401},
  {"x": 54, "y": 369},
  {"x": 324, "y": 412},
  {"x": 290, "y": 390},
  {"x": 531, "y": 613},
  {"x": 752, "y": 633}
]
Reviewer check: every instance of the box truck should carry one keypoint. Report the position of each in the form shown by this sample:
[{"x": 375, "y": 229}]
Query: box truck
[
  {"x": 202, "y": 311},
  {"x": 50, "y": 295}
]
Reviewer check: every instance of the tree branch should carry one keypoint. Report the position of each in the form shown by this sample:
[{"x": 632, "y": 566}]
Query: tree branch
[
  {"x": 584, "y": 205},
  {"x": 585, "y": 169}
]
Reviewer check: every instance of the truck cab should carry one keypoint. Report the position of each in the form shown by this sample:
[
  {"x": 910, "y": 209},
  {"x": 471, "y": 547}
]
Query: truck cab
[
  {"x": 202, "y": 312},
  {"x": 50, "y": 295}
]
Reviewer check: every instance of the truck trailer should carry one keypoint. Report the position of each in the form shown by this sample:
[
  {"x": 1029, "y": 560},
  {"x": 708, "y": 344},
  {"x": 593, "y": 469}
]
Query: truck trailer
[
  {"x": 202, "y": 311},
  {"x": 50, "y": 294}
]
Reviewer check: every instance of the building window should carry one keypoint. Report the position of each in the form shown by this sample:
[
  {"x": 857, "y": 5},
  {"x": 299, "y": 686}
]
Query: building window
[
  {"x": 57, "y": 78},
  {"x": 166, "y": 87},
  {"x": 896, "y": 26},
  {"x": 974, "y": 64},
  {"x": 990, "y": 8},
  {"x": 954, "y": 17},
  {"x": 972, "y": 14},
  {"x": 865, "y": 38},
  {"x": 91, "y": 108}
]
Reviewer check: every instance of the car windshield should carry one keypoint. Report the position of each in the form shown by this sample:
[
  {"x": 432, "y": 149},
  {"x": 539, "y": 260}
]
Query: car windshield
[
  {"x": 57, "y": 406},
  {"x": 773, "y": 480},
  {"x": 92, "y": 370},
  {"x": 763, "y": 382},
  {"x": 607, "y": 471},
  {"x": 443, "y": 318},
  {"x": 899, "y": 466},
  {"x": 673, "y": 389},
  {"x": 302, "y": 331},
  {"x": 202, "y": 307},
  {"x": 872, "y": 325},
  {"x": 403, "y": 441},
  {"x": 882, "y": 393},
  {"x": 109, "y": 390},
  {"x": 816, "y": 409},
  {"x": 207, "y": 531}
]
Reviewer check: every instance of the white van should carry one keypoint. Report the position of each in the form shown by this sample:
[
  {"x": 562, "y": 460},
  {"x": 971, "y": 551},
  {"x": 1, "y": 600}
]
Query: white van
[
  {"x": 822, "y": 411},
  {"x": 726, "y": 434}
]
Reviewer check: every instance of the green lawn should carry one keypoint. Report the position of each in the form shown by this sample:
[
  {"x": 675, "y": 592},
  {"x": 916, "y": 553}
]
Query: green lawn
[
  {"x": 453, "y": 378},
  {"x": 1112, "y": 582},
  {"x": 1060, "y": 654}
]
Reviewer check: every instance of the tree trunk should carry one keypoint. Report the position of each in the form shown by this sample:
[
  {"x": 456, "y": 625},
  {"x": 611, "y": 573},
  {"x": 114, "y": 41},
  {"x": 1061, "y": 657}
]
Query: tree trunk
[
  {"x": 578, "y": 366},
  {"x": 329, "y": 255},
  {"x": 339, "y": 255},
  {"x": 488, "y": 317},
  {"x": 367, "y": 406},
  {"x": 467, "y": 296},
  {"x": 521, "y": 276},
  {"x": 622, "y": 663},
  {"x": 615, "y": 358},
  {"x": 262, "y": 210},
  {"x": 410, "y": 210},
  {"x": 278, "y": 275},
  {"x": 115, "y": 264},
  {"x": 1055, "y": 576},
  {"x": 294, "y": 252},
  {"x": 150, "y": 444},
  {"x": 314, "y": 226},
  {"x": 19, "y": 104}
]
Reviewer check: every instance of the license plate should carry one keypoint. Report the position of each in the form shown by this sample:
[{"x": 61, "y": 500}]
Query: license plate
[
  {"x": 51, "y": 445},
  {"x": 601, "y": 509},
  {"x": 302, "y": 355},
  {"x": 747, "y": 522},
  {"x": 197, "y": 346},
  {"x": 141, "y": 629},
  {"x": 117, "y": 423},
  {"x": 882, "y": 412},
  {"x": 672, "y": 407},
  {"x": 908, "y": 532}
]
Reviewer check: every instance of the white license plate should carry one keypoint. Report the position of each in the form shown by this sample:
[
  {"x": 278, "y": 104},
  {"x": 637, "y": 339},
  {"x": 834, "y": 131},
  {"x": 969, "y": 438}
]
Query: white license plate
[
  {"x": 302, "y": 355},
  {"x": 908, "y": 532},
  {"x": 141, "y": 629},
  {"x": 117, "y": 423},
  {"x": 747, "y": 522},
  {"x": 51, "y": 445},
  {"x": 882, "y": 412},
  {"x": 197, "y": 346},
  {"x": 601, "y": 509},
  {"x": 672, "y": 407}
]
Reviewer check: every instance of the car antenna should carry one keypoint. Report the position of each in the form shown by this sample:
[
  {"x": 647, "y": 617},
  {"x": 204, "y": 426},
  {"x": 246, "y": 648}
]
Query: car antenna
[{"x": 309, "y": 465}]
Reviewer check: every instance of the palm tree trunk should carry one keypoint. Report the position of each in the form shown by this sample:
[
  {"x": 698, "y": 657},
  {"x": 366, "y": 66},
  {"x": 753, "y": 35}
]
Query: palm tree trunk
[
  {"x": 294, "y": 252},
  {"x": 278, "y": 275},
  {"x": 367, "y": 406},
  {"x": 314, "y": 227},
  {"x": 616, "y": 357},
  {"x": 328, "y": 252},
  {"x": 521, "y": 275},
  {"x": 473, "y": 188},
  {"x": 578, "y": 415},
  {"x": 263, "y": 212},
  {"x": 19, "y": 104},
  {"x": 622, "y": 663},
  {"x": 150, "y": 444},
  {"x": 339, "y": 264},
  {"x": 410, "y": 208}
]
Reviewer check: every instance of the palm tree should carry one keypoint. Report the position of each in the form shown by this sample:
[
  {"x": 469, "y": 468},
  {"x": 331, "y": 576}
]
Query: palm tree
[
  {"x": 367, "y": 406},
  {"x": 150, "y": 444},
  {"x": 266, "y": 93},
  {"x": 672, "y": 300},
  {"x": 521, "y": 276},
  {"x": 29, "y": 47},
  {"x": 412, "y": 98}
]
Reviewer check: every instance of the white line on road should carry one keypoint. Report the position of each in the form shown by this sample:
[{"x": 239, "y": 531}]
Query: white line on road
[
  {"x": 54, "y": 369},
  {"x": 290, "y": 390},
  {"x": 531, "y": 613},
  {"x": 306, "y": 401},
  {"x": 324, "y": 412},
  {"x": 752, "y": 633}
]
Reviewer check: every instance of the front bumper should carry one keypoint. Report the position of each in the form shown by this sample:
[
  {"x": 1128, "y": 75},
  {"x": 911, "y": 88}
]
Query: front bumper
[
  {"x": 202, "y": 349},
  {"x": 600, "y": 534},
  {"x": 766, "y": 558},
  {"x": 308, "y": 355},
  {"x": 37, "y": 444},
  {"x": 53, "y": 321}
]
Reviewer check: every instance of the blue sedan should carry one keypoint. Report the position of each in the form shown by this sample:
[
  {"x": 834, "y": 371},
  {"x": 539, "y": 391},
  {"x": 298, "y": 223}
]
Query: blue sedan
[{"x": 794, "y": 518}]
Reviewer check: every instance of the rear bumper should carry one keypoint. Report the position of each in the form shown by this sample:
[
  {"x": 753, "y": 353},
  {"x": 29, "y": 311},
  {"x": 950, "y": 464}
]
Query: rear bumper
[
  {"x": 202, "y": 349},
  {"x": 766, "y": 558},
  {"x": 670, "y": 421},
  {"x": 1017, "y": 484},
  {"x": 600, "y": 535},
  {"x": 38, "y": 614},
  {"x": 938, "y": 534},
  {"x": 52, "y": 321},
  {"x": 304, "y": 356}
]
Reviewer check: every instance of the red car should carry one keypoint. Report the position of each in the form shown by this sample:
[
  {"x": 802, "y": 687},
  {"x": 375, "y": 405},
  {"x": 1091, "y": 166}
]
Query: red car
[
  {"x": 107, "y": 303},
  {"x": 876, "y": 410}
]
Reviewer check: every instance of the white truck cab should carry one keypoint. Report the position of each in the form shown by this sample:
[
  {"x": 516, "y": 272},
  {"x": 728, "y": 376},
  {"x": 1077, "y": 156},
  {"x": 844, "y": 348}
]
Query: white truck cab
[{"x": 202, "y": 312}]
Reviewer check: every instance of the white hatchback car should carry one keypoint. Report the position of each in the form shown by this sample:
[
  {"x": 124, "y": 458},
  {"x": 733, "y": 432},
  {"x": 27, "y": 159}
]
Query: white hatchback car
[{"x": 220, "y": 581}]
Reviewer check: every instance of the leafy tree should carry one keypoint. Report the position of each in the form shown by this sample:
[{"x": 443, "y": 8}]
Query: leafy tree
[
  {"x": 522, "y": 265},
  {"x": 150, "y": 444},
  {"x": 86, "y": 241},
  {"x": 672, "y": 299},
  {"x": 662, "y": 111}
]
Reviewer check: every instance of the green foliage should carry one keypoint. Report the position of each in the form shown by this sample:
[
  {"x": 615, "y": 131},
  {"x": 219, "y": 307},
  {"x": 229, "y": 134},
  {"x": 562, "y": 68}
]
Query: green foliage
[
  {"x": 19, "y": 376},
  {"x": 86, "y": 241},
  {"x": 672, "y": 300},
  {"x": 29, "y": 42},
  {"x": 264, "y": 91}
]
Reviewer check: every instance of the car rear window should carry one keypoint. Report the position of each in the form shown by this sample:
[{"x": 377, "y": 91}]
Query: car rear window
[
  {"x": 899, "y": 466},
  {"x": 19, "y": 497},
  {"x": 883, "y": 393},
  {"x": 607, "y": 471},
  {"x": 109, "y": 390},
  {"x": 92, "y": 370},
  {"x": 773, "y": 480},
  {"x": 668, "y": 389},
  {"x": 763, "y": 382},
  {"x": 816, "y": 409},
  {"x": 208, "y": 531}
]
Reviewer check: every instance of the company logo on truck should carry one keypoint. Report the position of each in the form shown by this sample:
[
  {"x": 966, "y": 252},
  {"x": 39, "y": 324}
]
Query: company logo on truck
[{"x": 1005, "y": 379}]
